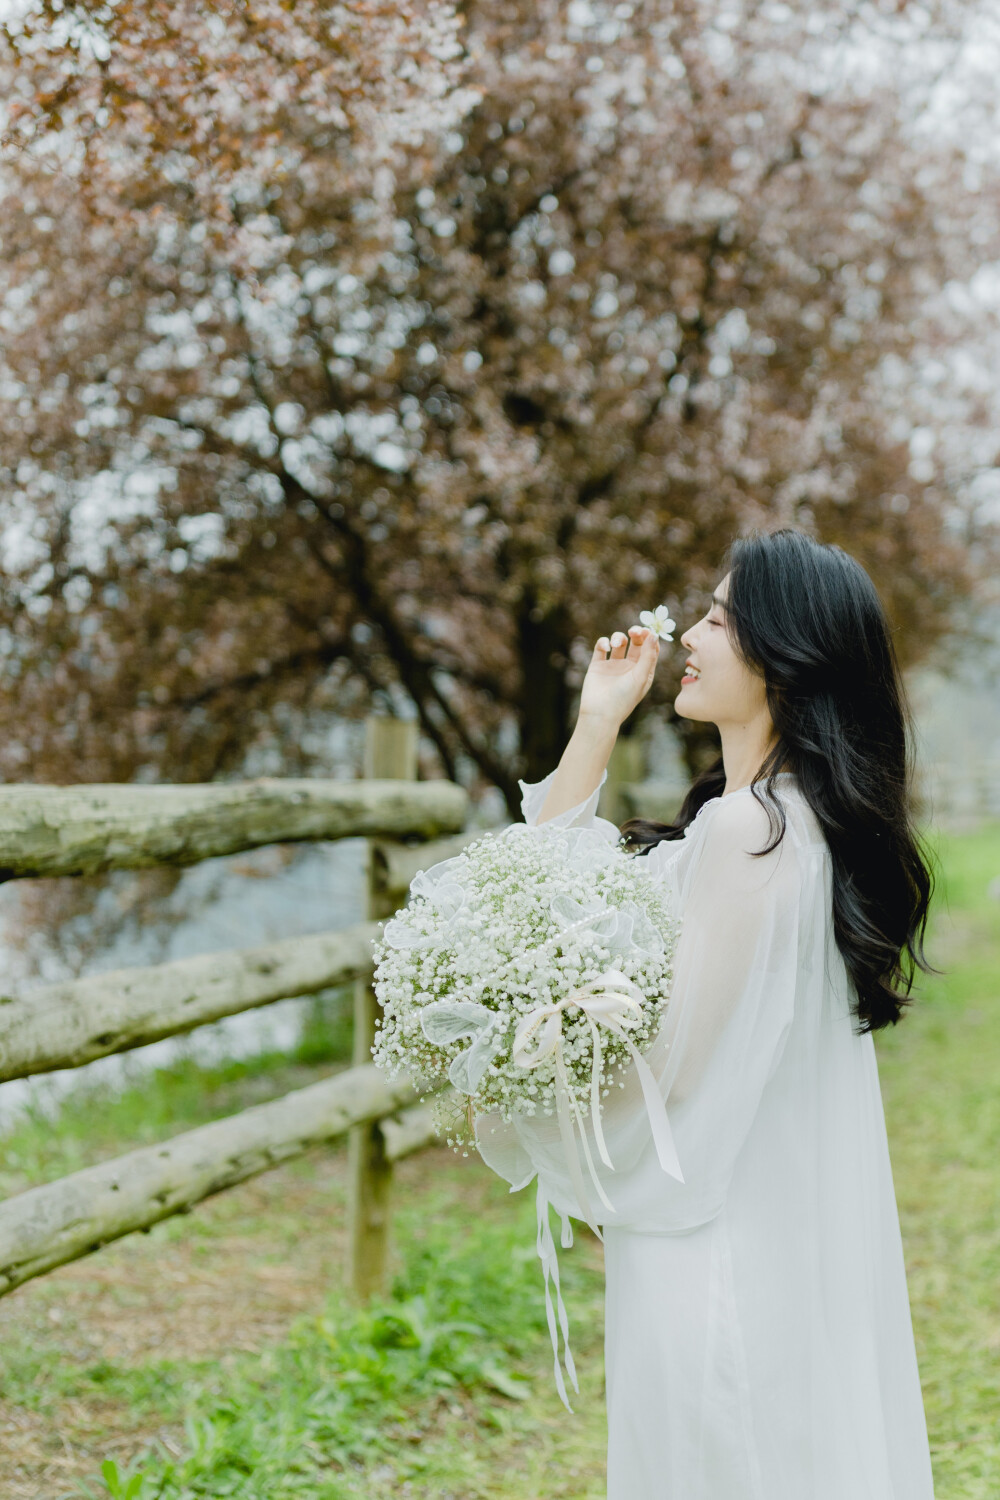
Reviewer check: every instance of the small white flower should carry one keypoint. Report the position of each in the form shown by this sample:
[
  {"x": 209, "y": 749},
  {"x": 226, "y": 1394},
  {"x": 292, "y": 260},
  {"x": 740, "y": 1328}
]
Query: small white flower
[{"x": 659, "y": 622}]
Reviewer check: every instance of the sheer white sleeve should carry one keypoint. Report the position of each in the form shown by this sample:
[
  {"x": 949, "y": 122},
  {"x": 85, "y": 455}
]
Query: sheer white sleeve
[
  {"x": 583, "y": 815},
  {"x": 729, "y": 1013},
  {"x": 728, "y": 1017},
  {"x": 731, "y": 1004}
]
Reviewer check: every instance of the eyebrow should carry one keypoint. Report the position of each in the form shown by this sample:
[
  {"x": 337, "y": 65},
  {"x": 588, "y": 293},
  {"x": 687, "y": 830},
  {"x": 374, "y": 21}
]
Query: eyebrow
[{"x": 720, "y": 603}]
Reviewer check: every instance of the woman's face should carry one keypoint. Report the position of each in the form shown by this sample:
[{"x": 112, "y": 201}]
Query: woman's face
[{"x": 722, "y": 689}]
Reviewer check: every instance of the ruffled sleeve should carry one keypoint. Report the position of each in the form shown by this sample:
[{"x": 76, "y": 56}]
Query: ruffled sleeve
[{"x": 583, "y": 815}]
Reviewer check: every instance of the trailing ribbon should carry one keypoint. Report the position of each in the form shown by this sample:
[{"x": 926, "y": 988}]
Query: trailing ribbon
[
  {"x": 604, "y": 1001},
  {"x": 546, "y": 1251}
]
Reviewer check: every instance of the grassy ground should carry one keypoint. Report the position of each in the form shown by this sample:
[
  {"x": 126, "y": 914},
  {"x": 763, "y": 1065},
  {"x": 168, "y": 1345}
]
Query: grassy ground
[
  {"x": 218, "y": 1354},
  {"x": 939, "y": 1072}
]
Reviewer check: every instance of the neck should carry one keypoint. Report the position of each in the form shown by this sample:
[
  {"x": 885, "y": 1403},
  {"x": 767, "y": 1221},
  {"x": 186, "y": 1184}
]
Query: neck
[{"x": 744, "y": 749}]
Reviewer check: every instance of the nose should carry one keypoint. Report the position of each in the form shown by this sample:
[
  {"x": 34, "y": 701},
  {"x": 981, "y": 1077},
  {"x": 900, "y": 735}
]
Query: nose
[{"x": 686, "y": 640}]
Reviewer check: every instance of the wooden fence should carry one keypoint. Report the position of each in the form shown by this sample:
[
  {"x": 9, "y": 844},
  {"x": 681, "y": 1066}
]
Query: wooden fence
[{"x": 82, "y": 830}]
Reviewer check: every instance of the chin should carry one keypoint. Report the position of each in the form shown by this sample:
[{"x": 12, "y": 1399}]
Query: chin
[{"x": 685, "y": 709}]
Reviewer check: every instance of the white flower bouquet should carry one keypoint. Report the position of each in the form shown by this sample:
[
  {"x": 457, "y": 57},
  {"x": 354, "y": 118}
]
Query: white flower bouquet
[{"x": 525, "y": 971}]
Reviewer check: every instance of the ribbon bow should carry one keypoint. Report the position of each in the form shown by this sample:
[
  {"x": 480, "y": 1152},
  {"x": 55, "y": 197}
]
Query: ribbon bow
[
  {"x": 605, "y": 1002},
  {"x": 446, "y": 1021}
]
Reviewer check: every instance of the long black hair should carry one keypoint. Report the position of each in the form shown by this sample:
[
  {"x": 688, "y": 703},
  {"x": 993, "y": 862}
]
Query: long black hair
[{"x": 808, "y": 619}]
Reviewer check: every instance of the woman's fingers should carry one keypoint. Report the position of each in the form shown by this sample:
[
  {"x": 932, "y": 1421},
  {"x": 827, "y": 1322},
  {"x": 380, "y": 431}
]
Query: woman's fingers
[
  {"x": 630, "y": 646},
  {"x": 638, "y": 637}
]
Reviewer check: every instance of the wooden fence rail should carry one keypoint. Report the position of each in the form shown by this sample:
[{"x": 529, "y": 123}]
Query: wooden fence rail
[
  {"x": 83, "y": 830},
  {"x": 67, "y": 1025},
  {"x": 61, "y": 1221}
]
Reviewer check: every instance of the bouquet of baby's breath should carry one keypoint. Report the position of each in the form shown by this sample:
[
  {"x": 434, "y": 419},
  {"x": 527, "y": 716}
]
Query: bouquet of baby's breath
[{"x": 525, "y": 971}]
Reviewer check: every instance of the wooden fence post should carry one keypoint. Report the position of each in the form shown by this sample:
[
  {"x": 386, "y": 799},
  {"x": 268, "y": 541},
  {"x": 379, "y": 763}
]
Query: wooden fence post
[{"x": 391, "y": 753}]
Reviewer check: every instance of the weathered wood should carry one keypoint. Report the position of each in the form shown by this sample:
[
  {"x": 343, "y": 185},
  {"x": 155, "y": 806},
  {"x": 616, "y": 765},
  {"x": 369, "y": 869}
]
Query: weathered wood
[
  {"x": 391, "y": 747},
  {"x": 67, "y": 1025},
  {"x": 397, "y": 864},
  {"x": 81, "y": 830},
  {"x": 369, "y": 1210},
  {"x": 391, "y": 750},
  {"x": 48, "y": 1226}
]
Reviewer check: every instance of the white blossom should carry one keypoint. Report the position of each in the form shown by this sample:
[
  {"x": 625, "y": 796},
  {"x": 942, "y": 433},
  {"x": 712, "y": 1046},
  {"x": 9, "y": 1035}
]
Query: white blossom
[{"x": 659, "y": 622}]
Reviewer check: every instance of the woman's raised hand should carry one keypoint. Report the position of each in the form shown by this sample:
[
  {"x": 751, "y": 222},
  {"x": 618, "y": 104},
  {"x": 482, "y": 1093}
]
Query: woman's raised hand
[{"x": 620, "y": 674}]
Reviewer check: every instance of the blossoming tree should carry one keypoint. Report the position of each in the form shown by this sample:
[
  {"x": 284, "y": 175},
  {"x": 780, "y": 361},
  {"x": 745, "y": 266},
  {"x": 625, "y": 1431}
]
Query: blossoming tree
[{"x": 401, "y": 354}]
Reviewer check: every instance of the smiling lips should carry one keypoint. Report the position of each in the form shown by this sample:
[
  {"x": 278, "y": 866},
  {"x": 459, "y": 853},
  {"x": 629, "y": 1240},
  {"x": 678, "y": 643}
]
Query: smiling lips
[{"x": 691, "y": 673}]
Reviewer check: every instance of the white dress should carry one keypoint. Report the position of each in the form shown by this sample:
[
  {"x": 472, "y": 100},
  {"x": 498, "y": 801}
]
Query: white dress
[{"x": 758, "y": 1341}]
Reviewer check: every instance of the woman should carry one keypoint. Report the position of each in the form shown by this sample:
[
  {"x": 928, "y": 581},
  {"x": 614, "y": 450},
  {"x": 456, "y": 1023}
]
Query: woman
[{"x": 758, "y": 1342}]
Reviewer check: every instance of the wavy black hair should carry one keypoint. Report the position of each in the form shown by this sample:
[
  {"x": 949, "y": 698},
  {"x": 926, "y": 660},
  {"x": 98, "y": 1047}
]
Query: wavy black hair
[{"x": 808, "y": 619}]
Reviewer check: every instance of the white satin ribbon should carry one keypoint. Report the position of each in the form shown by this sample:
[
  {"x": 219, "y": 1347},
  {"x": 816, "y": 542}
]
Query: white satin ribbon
[
  {"x": 546, "y": 1250},
  {"x": 604, "y": 1001}
]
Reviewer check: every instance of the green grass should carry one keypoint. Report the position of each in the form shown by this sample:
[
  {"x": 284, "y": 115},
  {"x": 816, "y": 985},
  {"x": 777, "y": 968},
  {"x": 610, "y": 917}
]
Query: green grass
[
  {"x": 939, "y": 1072},
  {"x": 348, "y": 1386},
  {"x": 418, "y": 1393},
  {"x": 419, "y": 1396},
  {"x": 346, "y": 1402}
]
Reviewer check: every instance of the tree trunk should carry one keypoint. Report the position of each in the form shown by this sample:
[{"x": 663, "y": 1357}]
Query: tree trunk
[{"x": 544, "y": 710}]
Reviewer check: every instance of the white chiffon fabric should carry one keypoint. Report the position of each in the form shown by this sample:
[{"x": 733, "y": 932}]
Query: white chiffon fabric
[{"x": 758, "y": 1340}]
